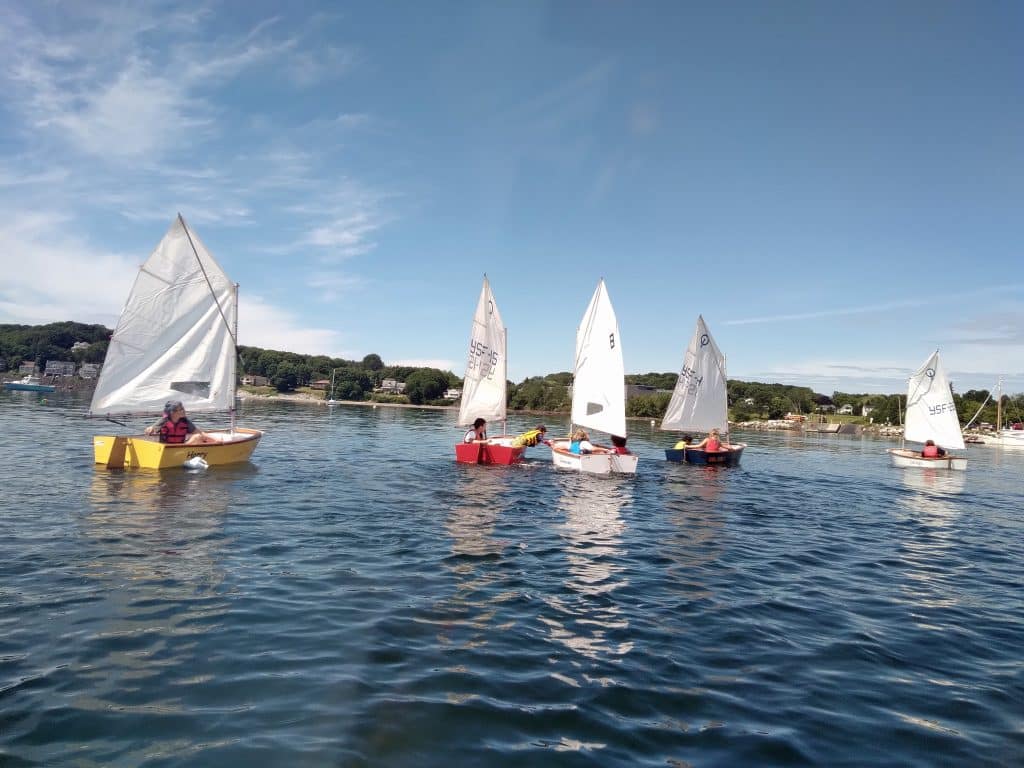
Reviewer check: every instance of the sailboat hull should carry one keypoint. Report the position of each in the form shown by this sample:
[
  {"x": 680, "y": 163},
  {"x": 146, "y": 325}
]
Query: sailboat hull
[
  {"x": 145, "y": 452},
  {"x": 1005, "y": 438},
  {"x": 905, "y": 458},
  {"x": 728, "y": 458},
  {"x": 497, "y": 450},
  {"x": 604, "y": 463}
]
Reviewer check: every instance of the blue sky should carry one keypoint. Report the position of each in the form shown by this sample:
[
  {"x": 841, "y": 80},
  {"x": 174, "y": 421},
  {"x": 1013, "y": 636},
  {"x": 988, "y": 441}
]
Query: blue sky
[{"x": 837, "y": 188}]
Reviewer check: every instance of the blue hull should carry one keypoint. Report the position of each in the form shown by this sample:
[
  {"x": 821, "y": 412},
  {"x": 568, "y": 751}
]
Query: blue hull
[
  {"x": 29, "y": 387},
  {"x": 729, "y": 458}
]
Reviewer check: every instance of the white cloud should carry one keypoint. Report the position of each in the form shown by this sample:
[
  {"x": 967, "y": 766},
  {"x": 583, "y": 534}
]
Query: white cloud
[
  {"x": 264, "y": 325},
  {"x": 50, "y": 275}
]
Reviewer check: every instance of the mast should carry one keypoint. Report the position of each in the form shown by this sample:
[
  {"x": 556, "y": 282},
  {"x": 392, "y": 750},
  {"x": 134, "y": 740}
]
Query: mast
[
  {"x": 999, "y": 404},
  {"x": 234, "y": 362},
  {"x": 504, "y": 422}
]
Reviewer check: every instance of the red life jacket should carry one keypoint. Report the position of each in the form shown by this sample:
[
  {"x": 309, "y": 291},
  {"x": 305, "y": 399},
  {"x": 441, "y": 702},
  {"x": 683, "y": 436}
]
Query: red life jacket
[
  {"x": 175, "y": 432},
  {"x": 930, "y": 452},
  {"x": 713, "y": 445}
]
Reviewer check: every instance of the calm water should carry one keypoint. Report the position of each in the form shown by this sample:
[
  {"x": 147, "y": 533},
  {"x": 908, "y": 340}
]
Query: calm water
[{"x": 354, "y": 597}]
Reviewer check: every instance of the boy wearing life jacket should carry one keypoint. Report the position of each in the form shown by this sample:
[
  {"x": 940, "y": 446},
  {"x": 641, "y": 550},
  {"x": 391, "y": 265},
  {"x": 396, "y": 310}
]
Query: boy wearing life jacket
[
  {"x": 532, "y": 437},
  {"x": 175, "y": 428},
  {"x": 932, "y": 451}
]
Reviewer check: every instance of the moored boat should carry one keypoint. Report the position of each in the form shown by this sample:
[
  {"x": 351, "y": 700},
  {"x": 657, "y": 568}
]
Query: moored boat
[
  {"x": 176, "y": 340},
  {"x": 29, "y": 384}
]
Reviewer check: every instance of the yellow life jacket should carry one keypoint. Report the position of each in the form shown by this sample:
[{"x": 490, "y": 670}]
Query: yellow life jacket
[{"x": 528, "y": 439}]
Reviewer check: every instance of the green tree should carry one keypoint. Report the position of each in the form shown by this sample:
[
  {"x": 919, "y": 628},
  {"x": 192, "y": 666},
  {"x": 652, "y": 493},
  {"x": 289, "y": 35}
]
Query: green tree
[
  {"x": 425, "y": 384},
  {"x": 285, "y": 379},
  {"x": 373, "y": 362}
]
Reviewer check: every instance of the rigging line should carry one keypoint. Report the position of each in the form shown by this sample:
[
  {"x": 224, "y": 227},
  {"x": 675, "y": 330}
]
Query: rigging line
[
  {"x": 209, "y": 284},
  {"x": 976, "y": 415}
]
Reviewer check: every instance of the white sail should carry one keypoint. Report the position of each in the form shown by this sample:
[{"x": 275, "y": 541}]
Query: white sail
[
  {"x": 483, "y": 391},
  {"x": 598, "y": 390},
  {"x": 931, "y": 412},
  {"x": 699, "y": 401},
  {"x": 174, "y": 338}
]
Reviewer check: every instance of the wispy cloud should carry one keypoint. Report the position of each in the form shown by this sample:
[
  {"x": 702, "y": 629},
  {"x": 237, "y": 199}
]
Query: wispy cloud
[
  {"x": 930, "y": 300},
  {"x": 264, "y": 325}
]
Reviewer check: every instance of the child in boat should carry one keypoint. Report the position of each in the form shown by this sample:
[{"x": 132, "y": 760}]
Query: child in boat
[
  {"x": 478, "y": 432},
  {"x": 176, "y": 428},
  {"x": 712, "y": 443},
  {"x": 684, "y": 443},
  {"x": 619, "y": 445},
  {"x": 932, "y": 451},
  {"x": 580, "y": 443}
]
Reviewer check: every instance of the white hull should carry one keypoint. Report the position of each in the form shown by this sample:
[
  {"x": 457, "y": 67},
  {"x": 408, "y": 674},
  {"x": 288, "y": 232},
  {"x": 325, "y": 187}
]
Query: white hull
[
  {"x": 905, "y": 458},
  {"x": 592, "y": 463},
  {"x": 1007, "y": 438}
]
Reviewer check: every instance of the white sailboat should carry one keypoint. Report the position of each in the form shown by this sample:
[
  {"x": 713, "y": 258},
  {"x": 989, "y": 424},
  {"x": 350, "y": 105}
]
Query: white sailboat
[
  {"x": 484, "y": 393},
  {"x": 1003, "y": 437},
  {"x": 598, "y": 391},
  {"x": 931, "y": 415},
  {"x": 331, "y": 400},
  {"x": 699, "y": 401},
  {"x": 176, "y": 340}
]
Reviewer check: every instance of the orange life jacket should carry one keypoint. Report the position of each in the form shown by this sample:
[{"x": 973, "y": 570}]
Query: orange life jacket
[
  {"x": 175, "y": 432},
  {"x": 930, "y": 452}
]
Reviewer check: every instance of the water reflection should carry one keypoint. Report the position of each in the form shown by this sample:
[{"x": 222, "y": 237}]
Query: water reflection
[
  {"x": 161, "y": 528},
  {"x": 934, "y": 493},
  {"x": 467, "y": 615},
  {"x": 692, "y": 502},
  {"x": 585, "y": 617},
  {"x": 478, "y": 497}
]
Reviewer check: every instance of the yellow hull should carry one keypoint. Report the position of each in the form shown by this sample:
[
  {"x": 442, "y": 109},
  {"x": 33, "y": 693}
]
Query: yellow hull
[{"x": 145, "y": 452}]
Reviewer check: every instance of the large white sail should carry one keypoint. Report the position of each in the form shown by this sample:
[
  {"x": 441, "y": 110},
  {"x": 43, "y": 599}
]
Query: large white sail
[
  {"x": 174, "y": 338},
  {"x": 598, "y": 390},
  {"x": 483, "y": 391},
  {"x": 699, "y": 401},
  {"x": 931, "y": 412}
]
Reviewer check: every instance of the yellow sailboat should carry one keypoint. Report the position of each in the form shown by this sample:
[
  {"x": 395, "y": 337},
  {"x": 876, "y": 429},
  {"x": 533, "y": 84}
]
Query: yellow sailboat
[{"x": 176, "y": 340}]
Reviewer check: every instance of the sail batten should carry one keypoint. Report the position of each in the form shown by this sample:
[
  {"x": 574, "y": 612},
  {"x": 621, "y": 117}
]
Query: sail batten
[
  {"x": 931, "y": 412},
  {"x": 598, "y": 394},
  {"x": 172, "y": 329},
  {"x": 699, "y": 401},
  {"x": 483, "y": 389}
]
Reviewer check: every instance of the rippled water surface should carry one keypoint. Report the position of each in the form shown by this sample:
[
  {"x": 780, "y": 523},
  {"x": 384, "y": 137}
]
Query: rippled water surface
[{"x": 354, "y": 597}]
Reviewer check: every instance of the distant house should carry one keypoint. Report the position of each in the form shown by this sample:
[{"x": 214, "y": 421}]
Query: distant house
[
  {"x": 452, "y": 394},
  {"x": 59, "y": 368},
  {"x": 845, "y": 410},
  {"x": 89, "y": 370},
  {"x": 80, "y": 345},
  {"x": 28, "y": 369},
  {"x": 322, "y": 384},
  {"x": 826, "y": 409},
  {"x": 392, "y": 387},
  {"x": 250, "y": 380},
  {"x": 748, "y": 401},
  {"x": 866, "y": 410}
]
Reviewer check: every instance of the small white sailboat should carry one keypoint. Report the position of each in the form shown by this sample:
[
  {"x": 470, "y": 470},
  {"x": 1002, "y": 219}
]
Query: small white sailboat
[
  {"x": 598, "y": 391},
  {"x": 330, "y": 399},
  {"x": 484, "y": 393},
  {"x": 176, "y": 340},
  {"x": 1004, "y": 437},
  {"x": 931, "y": 415},
  {"x": 699, "y": 401}
]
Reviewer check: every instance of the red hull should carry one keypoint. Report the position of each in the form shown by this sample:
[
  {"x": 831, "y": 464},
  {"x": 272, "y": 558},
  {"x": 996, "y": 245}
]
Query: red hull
[{"x": 487, "y": 453}]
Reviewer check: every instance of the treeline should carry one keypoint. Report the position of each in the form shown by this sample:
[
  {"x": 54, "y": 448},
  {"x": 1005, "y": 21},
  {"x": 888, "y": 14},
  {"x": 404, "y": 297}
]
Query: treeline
[
  {"x": 353, "y": 379},
  {"x": 358, "y": 380},
  {"x": 39, "y": 343}
]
